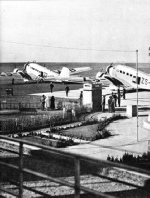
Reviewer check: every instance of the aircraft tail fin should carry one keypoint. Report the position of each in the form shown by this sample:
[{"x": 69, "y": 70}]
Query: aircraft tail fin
[{"x": 65, "y": 73}]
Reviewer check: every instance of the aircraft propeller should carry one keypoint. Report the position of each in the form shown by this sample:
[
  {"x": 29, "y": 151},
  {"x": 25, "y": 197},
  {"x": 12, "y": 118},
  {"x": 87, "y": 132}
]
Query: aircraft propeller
[
  {"x": 108, "y": 67},
  {"x": 25, "y": 66}
]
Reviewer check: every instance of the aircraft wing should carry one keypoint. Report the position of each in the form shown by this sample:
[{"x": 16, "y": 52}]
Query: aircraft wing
[
  {"x": 117, "y": 82},
  {"x": 65, "y": 82},
  {"x": 75, "y": 70}
]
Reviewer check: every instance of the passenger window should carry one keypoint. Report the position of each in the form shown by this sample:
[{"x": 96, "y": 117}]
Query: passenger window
[
  {"x": 120, "y": 71},
  {"x": 130, "y": 74},
  {"x": 123, "y": 72},
  {"x": 127, "y": 74}
]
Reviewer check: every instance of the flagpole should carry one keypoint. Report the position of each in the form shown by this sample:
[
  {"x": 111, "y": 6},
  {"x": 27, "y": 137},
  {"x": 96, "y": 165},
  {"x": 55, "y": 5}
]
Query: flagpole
[{"x": 137, "y": 93}]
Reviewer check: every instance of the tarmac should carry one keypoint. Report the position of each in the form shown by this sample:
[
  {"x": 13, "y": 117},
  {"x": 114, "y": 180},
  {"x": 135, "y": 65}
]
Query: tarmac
[{"x": 128, "y": 135}]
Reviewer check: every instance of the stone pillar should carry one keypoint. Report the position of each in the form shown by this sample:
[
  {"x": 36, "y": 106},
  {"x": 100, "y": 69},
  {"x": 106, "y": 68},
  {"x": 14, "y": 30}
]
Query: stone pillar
[
  {"x": 92, "y": 96},
  {"x": 149, "y": 146},
  {"x": 131, "y": 110}
]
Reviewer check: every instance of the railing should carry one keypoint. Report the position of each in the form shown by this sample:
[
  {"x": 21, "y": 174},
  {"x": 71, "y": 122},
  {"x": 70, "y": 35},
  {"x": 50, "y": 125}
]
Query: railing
[
  {"x": 17, "y": 105},
  {"x": 77, "y": 159}
]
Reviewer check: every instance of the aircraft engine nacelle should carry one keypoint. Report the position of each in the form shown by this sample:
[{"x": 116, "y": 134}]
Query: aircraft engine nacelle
[
  {"x": 99, "y": 75},
  {"x": 16, "y": 70}
]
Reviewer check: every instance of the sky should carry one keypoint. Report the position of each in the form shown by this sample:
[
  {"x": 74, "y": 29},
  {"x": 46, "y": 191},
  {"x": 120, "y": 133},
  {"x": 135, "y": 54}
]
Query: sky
[{"x": 75, "y": 31}]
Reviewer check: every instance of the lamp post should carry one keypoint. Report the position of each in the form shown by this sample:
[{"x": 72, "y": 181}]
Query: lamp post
[{"x": 137, "y": 93}]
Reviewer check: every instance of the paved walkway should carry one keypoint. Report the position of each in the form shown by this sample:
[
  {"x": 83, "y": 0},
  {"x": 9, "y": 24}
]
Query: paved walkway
[{"x": 75, "y": 94}]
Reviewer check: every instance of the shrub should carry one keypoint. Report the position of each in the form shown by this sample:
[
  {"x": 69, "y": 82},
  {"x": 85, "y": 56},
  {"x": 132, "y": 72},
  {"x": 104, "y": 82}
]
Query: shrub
[
  {"x": 133, "y": 160},
  {"x": 90, "y": 122}
]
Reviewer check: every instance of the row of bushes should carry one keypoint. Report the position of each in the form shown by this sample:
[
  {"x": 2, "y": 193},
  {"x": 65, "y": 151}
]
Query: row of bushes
[
  {"x": 103, "y": 124},
  {"x": 28, "y": 123},
  {"x": 133, "y": 160}
]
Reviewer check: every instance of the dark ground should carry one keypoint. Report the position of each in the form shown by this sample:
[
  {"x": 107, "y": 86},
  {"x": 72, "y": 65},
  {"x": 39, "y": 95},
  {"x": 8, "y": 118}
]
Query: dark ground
[{"x": 22, "y": 89}]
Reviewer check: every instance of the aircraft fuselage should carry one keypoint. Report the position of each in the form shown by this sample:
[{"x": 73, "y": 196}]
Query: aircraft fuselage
[
  {"x": 34, "y": 69},
  {"x": 128, "y": 75}
]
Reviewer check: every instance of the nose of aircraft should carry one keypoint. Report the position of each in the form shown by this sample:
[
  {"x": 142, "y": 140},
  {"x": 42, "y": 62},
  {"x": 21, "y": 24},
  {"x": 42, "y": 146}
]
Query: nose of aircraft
[{"x": 15, "y": 70}]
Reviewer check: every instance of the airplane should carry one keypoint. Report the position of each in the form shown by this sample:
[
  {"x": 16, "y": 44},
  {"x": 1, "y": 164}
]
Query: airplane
[
  {"x": 125, "y": 76},
  {"x": 34, "y": 72},
  {"x": 5, "y": 74}
]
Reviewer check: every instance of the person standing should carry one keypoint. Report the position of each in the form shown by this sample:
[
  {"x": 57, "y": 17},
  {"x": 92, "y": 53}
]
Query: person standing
[
  {"x": 13, "y": 81},
  {"x": 124, "y": 93},
  {"x": 52, "y": 103},
  {"x": 119, "y": 99},
  {"x": 103, "y": 104},
  {"x": 113, "y": 105},
  {"x": 81, "y": 95},
  {"x": 109, "y": 104},
  {"x": 67, "y": 90},
  {"x": 51, "y": 87},
  {"x": 47, "y": 103},
  {"x": 81, "y": 98},
  {"x": 115, "y": 98},
  {"x": 43, "y": 102}
]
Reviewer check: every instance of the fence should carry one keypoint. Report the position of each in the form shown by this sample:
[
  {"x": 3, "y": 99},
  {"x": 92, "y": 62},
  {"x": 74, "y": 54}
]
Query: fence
[
  {"x": 59, "y": 103},
  {"x": 17, "y": 105},
  {"x": 77, "y": 159}
]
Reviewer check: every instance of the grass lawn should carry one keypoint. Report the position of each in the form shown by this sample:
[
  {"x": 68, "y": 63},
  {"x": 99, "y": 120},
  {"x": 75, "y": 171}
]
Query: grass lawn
[{"x": 88, "y": 131}]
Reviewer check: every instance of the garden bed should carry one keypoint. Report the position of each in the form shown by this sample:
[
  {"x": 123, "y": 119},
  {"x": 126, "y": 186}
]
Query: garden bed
[
  {"x": 50, "y": 141},
  {"x": 90, "y": 130}
]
